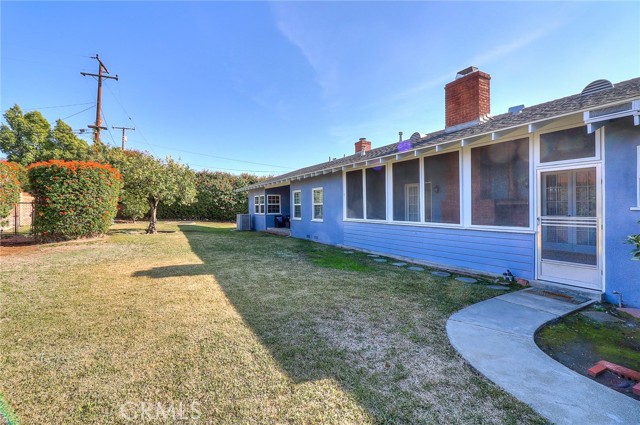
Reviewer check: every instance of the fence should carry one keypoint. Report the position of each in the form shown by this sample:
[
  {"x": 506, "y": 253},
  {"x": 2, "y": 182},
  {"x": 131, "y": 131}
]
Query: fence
[{"x": 21, "y": 218}]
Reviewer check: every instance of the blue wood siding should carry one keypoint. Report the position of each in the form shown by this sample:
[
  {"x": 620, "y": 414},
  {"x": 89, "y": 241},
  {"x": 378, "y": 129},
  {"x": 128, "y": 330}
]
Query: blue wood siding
[
  {"x": 622, "y": 274},
  {"x": 257, "y": 220},
  {"x": 491, "y": 252},
  {"x": 330, "y": 230}
]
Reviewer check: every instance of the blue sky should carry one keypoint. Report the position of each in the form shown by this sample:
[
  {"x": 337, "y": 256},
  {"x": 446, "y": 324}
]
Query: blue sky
[{"x": 282, "y": 85}]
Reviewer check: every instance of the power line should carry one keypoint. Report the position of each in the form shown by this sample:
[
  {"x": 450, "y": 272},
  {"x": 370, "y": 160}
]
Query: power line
[
  {"x": 107, "y": 127},
  {"x": 73, "y": 115},
  {"x": 131, "y": 119},
  {"x": 233, "y": 169},
  {"x": 191, "y": 152},
  {"x": 224, "y": 158},
  {"x": 58, "y": 106},
  {"x": 102, "y": 70}
]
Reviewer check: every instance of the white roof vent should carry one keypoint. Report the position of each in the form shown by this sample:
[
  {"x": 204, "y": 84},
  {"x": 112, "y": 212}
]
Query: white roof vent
[{"x": 596, "y": 86}]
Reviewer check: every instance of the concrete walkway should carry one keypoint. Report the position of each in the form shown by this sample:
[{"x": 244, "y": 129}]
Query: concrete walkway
[{"x": 496, "y": 337}]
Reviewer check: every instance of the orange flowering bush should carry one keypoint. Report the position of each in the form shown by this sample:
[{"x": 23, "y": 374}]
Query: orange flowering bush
[
  {"x": 10, "y": 187},
  {"x": 74, "y": 199}
]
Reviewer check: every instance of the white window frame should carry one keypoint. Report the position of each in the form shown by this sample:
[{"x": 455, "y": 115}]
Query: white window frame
[
  {"x": 538, "y": 153},
  {"x": 467, "y": 186},
  {"x": 637, "y": 207},
  {"x": 407, "y": 204},
  {"x": 314, "y": 204},
  {"x": 423, "y": 192},
  {"x": 270, "y": 204},
  {"x": 258, "y": 204},
  {"x": 294, "y": 204}
]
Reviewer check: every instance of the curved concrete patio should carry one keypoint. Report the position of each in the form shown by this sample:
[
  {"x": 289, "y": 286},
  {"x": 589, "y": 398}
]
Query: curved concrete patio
[{"x": 496, "y": 337}]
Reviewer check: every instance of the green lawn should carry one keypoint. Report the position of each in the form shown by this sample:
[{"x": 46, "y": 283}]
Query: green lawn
[{"x": 232, "y": 327}]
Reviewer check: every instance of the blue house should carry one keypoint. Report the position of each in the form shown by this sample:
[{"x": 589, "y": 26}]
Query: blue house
[{"x": 550, "y": 192}]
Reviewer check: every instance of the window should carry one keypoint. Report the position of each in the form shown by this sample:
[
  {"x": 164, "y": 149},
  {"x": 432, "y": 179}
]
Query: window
[
  {"x": 258, "y": 204},
  {"x": 376, "y": 195},
  {"x": 406, "y": 180},
  {"x": 318, "y": 206},
  {"x": 273, "y": 204},
  {"x": 355, "y": 206},
  {"x": 565, "y": 145},
  {"x": 500, "y": 184},
  {"x": 412, "y": 202},
  {"x": 297, "y": 204},
  {"x": 442, "y": 188}
]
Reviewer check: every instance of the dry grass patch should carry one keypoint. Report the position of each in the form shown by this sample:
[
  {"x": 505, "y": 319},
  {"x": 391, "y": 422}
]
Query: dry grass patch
[{"x": 252, "y": 328}]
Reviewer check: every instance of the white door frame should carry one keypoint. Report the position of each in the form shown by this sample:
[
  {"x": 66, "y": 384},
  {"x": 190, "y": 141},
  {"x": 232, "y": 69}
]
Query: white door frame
[{"x": 575, "y": 274}]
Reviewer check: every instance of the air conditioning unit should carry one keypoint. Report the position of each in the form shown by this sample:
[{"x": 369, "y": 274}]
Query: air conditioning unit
[{"x": 243, "y": 222}]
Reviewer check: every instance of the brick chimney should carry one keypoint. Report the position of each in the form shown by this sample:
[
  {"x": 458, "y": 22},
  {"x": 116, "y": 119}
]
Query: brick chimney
[
  {"x": 363, "y": 145},
  {"x": 467, "y": 98}
]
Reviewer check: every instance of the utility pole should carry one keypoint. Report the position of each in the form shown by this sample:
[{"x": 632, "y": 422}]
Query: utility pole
[
  {"x": 124, "y": 136},
  {"x": 98, "y": 125}
]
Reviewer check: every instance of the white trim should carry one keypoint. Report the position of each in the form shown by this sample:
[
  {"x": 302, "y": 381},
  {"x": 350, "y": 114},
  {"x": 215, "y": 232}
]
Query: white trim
[
  {"x": 268, "y": 204},
  {"x": 528, "y": 128},
  {"x": 467, "y": 186},
  {"x": 260, "y": 204},
  {"x": 600, "y": 141},
  {"x": 421, "y": 191},
  {"x": 293, "y": 204},
  {"x": 314, "y": 204},
  {"x": 364, "y": 194},
  {"x": 495, "y": 229},
  {"x": 598, "y": 150},
  {"x": 563, "y": 267},
  {"x": 637, "y": 178}
]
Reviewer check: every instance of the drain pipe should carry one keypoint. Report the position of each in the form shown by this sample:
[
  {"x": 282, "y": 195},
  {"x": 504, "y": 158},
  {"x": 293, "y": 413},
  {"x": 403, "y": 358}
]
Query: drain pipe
[{"x": 619, "y": 294}]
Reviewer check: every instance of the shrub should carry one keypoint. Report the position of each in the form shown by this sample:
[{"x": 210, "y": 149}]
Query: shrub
[
  {"x": 216, "y": 198},
  {"x": 74, "y": 198},
  {"x": 11, "y": 178}
]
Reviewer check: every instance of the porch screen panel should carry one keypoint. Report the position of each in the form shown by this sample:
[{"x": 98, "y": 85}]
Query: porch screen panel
[
  {"x": 355, "y": 206},
  {"x": 442, "y": 188},
  {"x": 376, "y": 197},
  {"x": 406, "y": 190},
  {"x": 564, "y": 145},
  {"x": 500, "y": 184}
]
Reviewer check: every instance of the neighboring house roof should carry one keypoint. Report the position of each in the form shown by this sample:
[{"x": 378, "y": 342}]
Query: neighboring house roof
[{"x": 611, "y": 103}]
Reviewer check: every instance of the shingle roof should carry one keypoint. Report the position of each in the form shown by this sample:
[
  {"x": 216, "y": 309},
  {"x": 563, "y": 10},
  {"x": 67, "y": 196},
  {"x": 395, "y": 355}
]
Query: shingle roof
[{"x": 621, "y": 92}]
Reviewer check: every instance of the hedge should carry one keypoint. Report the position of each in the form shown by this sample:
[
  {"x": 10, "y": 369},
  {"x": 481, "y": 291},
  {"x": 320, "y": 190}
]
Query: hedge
[
  {"x": 74, "y": 199},
  {"x": 216, "y": 198},
  {"x": 11, "y": 179}
]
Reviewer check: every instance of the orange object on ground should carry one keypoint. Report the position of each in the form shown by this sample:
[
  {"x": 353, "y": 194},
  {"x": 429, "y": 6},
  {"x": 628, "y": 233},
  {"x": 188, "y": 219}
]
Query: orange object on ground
[{"x": 625, "y": 372}]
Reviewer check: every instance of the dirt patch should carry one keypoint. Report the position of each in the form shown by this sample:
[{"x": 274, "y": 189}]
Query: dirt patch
[
  {"x": 6, "y": 251},
  {"x": 578, "y": 341}
]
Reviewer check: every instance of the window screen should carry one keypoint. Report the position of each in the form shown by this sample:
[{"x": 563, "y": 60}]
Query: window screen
[
  {"x": 442, "y": 188},
  {"x": 376, "y": 193},
  {"x": 355, "y": 204},
  {"x": 564, "y": 145},
  {"x": 406, "y": 192},
  {"x": 500, "y": 184}
]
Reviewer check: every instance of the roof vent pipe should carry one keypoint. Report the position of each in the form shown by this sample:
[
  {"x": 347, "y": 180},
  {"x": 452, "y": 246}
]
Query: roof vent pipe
[{"x": 400, "y": 136}]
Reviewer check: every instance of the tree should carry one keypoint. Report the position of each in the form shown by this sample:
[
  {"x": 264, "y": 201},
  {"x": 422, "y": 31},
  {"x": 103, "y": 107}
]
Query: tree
[
  {"x": 217, "y": 197},
  {"x": 154, "y": 180},
  {"x": 63, "y": 144},
  {"x": 10, "y": 186},
  {"x": 28, "y": 138},
  {"x": 25, "y": 136}
]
